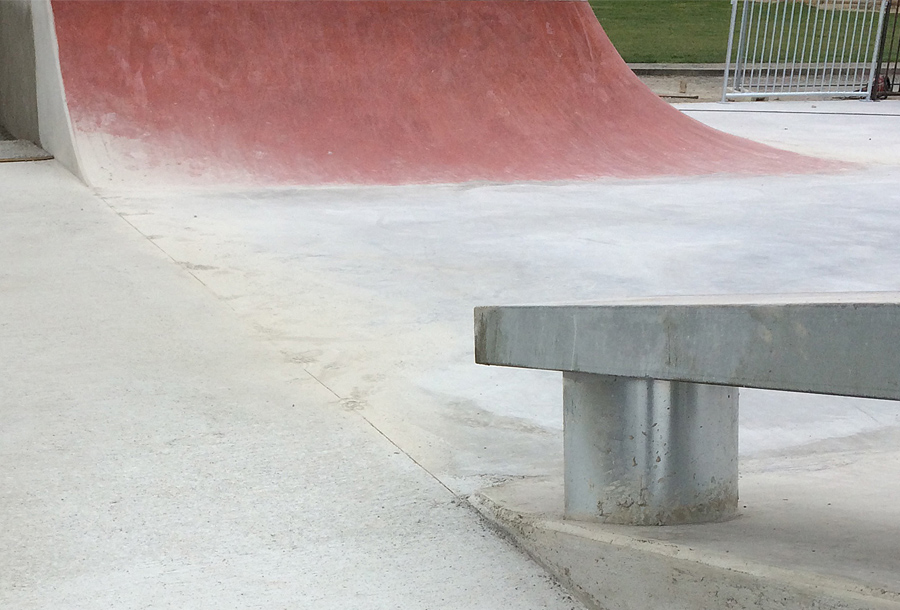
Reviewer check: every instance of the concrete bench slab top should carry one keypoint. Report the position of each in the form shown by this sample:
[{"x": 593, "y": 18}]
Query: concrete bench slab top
[{"x": 842, "y": 343}]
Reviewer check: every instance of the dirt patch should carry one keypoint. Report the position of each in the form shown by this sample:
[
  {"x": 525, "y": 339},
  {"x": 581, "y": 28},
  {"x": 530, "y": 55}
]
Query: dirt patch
[{"x": 685, "y": 88}]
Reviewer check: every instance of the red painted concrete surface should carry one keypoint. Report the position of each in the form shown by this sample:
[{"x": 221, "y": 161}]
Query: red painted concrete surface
[{"x": 372, "y": 92}]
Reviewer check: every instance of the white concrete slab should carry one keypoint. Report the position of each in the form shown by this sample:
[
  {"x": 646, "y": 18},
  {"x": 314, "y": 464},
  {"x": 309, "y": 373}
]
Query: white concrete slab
[
  {"x": 371, "y": 290},
  {"x": 218, "y": 307},
  {"x": 800, "y": 543},
  {"x": 157, "y": 452},
  {"x": 851, "y": 130}
]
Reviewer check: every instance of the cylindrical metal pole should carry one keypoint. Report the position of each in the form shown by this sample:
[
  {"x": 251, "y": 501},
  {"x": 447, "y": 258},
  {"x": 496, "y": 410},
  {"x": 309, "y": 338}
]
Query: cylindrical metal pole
[
  {"x": 728, "y": 51},
  {"x": 824, "y": 63},
  {"x": 781, "y": 58},
  {"x": 756, "y": 58},
  {"x": 743, "y": 45},
  {"x": 853, "y": 57},
  {"x": 770, "y": 44},
  {"x": 794, "y": 8},
  {"x": 649, "y": 452},
  {"x": 876, "y": 55},
  {"x": 835, "y": 64}
]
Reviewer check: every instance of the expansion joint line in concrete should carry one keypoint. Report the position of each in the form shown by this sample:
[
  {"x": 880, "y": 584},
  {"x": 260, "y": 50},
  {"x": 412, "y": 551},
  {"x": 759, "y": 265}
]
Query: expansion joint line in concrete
[
  {"x": 387, "y": 438},
  {"x": 317, "y": 380},
  {"x": 156, "y": 245}
]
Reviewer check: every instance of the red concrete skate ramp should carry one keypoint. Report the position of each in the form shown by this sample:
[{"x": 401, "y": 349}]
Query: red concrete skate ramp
[{"x": 387, "y": 92}]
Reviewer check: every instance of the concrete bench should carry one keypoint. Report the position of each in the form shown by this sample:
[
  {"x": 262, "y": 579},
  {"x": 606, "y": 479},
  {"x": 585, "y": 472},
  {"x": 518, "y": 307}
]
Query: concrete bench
[{"x": 650, "y": 386}]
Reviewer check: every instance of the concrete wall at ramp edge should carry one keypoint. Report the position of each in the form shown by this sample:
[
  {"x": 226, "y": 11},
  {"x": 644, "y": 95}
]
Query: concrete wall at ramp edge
[{"x": 54, "y": 124}]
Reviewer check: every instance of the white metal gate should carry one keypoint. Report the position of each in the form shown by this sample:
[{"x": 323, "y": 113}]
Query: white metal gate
[{"x": 791, "y": 48}]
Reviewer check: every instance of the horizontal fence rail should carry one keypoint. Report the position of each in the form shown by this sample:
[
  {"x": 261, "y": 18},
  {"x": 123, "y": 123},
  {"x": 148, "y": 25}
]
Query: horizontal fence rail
[{"x": 803, "y": 48}]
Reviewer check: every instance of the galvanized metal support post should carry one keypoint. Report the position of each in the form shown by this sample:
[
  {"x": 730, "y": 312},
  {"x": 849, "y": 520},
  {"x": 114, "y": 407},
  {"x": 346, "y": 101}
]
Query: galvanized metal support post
[
  {"x": 649, "y": 452},
  {"x": 728, "y": 52},
  {"x": 879, "y": 49}
]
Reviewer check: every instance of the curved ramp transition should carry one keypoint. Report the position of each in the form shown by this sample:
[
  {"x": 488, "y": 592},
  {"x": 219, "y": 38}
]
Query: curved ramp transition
[{"x": 370, "y": 92}]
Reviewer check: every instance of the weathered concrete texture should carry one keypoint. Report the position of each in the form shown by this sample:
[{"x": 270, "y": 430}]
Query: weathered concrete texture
[
  {"x": 157, "y": 452},
  {"x": 372, "y": 290},
  {"x": 847, "y": 344},
  {"x": 130, "y": 376},
  {"x": 18, "y": 87},
  {"x": 752, "y": 563}
]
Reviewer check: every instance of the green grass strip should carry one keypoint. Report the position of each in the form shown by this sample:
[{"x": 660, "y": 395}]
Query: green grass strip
[
  {"x": 696, "y": 31},
  {"x": 666, "y": 31}
]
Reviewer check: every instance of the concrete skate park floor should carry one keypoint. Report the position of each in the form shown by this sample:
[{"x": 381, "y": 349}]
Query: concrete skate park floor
[{"x": 267, "y": 397}]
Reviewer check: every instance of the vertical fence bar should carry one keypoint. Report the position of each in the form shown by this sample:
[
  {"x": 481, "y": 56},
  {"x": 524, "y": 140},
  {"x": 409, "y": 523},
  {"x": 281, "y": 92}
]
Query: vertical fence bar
[
  {"x": 771, "y": 43},
  {"x": 812, "y": 45},
  {"x": 755, "y": 56},
  {"x": 823, "y": 57},
  {"x": 893, "y": 47},
  {"x": 742, "y": 47},
  {"x": 876, "y": 55},
  {"x": 843, "y": 70},
  {"x": 841, "y": 33},
  {"x": 818, "y": 60},
  {"x": 866, "y": 32},
  {"x": 871, "y": 51},
  {"x": 782, "y": 61},
  {"x": 853, "y": 57},
  {"x": 747, "y": 70},
  {"x": 729, "y": 50},
  {"x": 779, "y": 26},
  {"x": 832, "y": 61},
  {"x": 803, "y": 49},
  {"x": 790, "y": 86},
  {"x": 896, "y": 46},
  {"x": 823, "y": 61}
]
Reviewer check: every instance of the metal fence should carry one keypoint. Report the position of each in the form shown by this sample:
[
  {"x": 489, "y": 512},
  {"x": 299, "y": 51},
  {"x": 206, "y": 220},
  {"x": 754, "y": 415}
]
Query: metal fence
[
  {"x": 886, "y": 81},
  {"x": 797, "y": 48}
]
